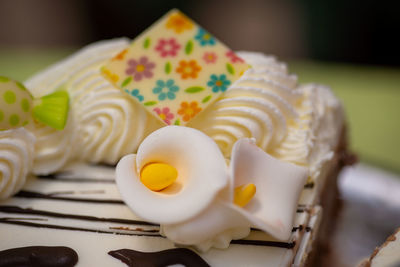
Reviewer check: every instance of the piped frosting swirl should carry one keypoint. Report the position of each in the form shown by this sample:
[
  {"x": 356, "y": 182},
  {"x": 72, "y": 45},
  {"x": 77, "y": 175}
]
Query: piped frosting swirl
[
  {"x": 260, "y": 105},
  {"x": 16, "y": 159},
  {"x": 104, "y": 123}
]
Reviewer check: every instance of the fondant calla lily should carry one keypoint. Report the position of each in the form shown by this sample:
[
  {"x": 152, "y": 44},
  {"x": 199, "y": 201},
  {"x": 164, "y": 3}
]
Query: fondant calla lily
[{"x": 210, "y": 203}]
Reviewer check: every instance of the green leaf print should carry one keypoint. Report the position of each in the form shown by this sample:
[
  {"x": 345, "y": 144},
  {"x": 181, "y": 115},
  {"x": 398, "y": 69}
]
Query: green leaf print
[
  {"x": 194, "y": 89},
  {"x": 230, "y": 68},
  {"x": 206, "y": 99},
  {"x": 167, "y": 68},
  {"x": 189, "y": 47},
  {"x": 150, "y": 103},
  {"x": 126, "y": 81},
  {"x": 146, "y": 43}
]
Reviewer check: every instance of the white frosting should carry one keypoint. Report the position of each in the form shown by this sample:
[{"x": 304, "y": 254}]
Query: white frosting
[
  {"x": 298, "y": 124},
  {"x": 326, "y": 126},
  {"x": 16, "y": 159},
  {"x": 260, "y": 105},
  {"x": 105, "y": 123},
  {"x": 265, "y": 104},
  {"x": 53, "y": 148},
  {"x": 196, "y": 214}
]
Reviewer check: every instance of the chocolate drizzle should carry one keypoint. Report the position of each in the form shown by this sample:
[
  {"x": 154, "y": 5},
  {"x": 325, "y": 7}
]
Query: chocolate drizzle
[
  {"x": 19, "y": 210},
  {"x": 38, "y": 256},
  {"x": 75, "y": 180},
  {"x": 32, "y": 194},
  {"x": 71, "y": 228},
  {"x": 163, "y": 258},
  {"x": 265, "y": 243},
  {"x": 139, "y": 231},
  {"x": 309, "y": 185}
]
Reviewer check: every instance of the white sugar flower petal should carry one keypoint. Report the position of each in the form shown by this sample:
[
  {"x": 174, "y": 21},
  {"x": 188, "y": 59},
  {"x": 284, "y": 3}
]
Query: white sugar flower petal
[
  {"x": 214, "y": 227},
  {"x": 202, "y": 173},
  {"x": 278, "y": 184}
]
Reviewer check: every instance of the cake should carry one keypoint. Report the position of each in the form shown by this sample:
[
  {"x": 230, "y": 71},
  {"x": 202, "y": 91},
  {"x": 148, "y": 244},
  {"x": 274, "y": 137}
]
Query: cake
[
  {"x": 387, "y": 254},
  {"x": 71, "y": 212}
]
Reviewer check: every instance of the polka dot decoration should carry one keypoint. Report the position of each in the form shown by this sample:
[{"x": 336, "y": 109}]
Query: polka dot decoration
[{"x": 15, "y": 104}]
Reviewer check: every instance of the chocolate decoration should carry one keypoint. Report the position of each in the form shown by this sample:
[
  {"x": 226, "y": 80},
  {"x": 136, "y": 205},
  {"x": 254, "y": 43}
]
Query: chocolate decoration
[
  {"x": 309, "y": 185},
  {"x": 163, "y": 258},
  {"x": 151, "y": 233},
  {"x": 348, "y": 158},
  {"x": 75, "y": 180},
  {"x": 62, "y": 227},
  {"x": 263, "y": 243},
  {"x": 19, "y": 210},
  {"x": 32, "y": 194},
  {"x": 38, "y": 256}
]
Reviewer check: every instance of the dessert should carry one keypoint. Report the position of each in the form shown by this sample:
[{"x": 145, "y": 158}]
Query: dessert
[
  {"x": 18, "y": 113},
  {"x": 272, "y": 125},
  {"x": 387, "y": 254}
]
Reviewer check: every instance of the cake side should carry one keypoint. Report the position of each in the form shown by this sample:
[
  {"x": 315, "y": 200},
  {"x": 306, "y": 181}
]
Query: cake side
[{"x": 54, "y": 207}]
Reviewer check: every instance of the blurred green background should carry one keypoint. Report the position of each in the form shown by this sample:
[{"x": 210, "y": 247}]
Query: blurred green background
[{"x": 348, "y": 45}]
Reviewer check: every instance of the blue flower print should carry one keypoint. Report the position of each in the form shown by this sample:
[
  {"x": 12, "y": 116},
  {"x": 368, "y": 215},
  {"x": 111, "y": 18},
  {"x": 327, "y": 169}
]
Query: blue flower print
[
  {"x": 204, "y": 38},
  {"x": 135, "y": 93},
  {"x": 218, "y": 83},
  {"x": 165, "y": 89}
]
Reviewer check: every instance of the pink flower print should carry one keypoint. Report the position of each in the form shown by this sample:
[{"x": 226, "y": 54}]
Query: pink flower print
[
  {"x": 210, "y": 57},
  {"x": 165, "y": 114},
  {"x": 140, "y": 68},
  {"x": 234, "y": 58},
  {"x": 168, "y": 47}
]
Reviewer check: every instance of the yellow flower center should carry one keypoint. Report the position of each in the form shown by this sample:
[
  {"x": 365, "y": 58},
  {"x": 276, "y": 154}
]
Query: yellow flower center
[
  {"x": 140, "y": 68},
  {"x": 218, "y": 83},
  {"x": 162, "y": 116},
  {"x": 189, "y": 111},
  {"x": 206, "y": 36},
  {"x": 158, "y": 176},
  {"x": 243, "y": 194}
]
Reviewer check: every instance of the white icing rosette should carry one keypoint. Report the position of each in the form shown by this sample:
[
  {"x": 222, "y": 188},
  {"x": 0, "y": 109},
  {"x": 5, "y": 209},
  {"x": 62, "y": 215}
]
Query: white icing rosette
[
  {"x": 104, "y": 122},
  {"x": 210, "y": 203},
  {"x": 16, "y": 159}
]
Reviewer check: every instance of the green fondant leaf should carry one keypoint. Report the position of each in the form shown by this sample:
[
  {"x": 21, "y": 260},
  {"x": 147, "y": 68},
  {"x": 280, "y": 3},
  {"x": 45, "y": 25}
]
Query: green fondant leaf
[
  {"x": 177, "y": 122},
  {"x": 126, "y": 81},
  {"x": 168, "y": 67},
  {"x": 206, "y": 99},
  {"x": 146, "y": 43},
  {"x": 4, "y": 79},
  {"x": 194, "y": 89},
  {"x": 150, "y": 103},
  {"x": 52, "y": 109},
  {"x": 189, "y": 47},
  {"x": 230, "y": 68}
]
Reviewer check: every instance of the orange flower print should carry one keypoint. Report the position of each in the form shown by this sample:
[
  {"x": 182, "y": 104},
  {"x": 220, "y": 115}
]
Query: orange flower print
[
  {"x": 188, "y": 69},
  {"x": 179, "y": 23},
  {"x": 121, "y": 55},
  {"x": 188, "y": 111}
]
